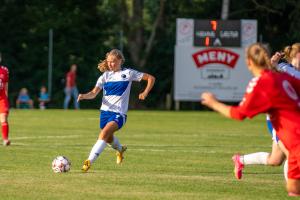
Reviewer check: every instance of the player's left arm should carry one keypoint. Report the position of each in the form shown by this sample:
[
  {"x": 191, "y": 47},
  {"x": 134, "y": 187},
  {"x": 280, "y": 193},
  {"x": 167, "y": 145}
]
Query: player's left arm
[{"x": 150, "y": 82}]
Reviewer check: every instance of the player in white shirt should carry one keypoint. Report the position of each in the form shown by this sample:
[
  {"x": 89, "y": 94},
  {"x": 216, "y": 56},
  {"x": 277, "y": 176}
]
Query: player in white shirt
[
  {"x": 291, "y": 66},
  {"x": 115, "y": 83}
]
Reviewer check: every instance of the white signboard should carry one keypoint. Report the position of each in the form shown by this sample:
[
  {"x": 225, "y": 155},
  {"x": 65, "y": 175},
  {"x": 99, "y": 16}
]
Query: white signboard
[
  {"x": 221, "y": 71},
  {"x": 218, "y": 69}
]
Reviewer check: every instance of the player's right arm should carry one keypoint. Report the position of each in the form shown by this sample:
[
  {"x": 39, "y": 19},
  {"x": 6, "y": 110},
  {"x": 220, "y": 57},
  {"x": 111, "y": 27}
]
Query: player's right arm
[
  {"x": 210, "y": 101},
  {"x": 253, "y": 103},
  {"x": 90, "y": 95}
]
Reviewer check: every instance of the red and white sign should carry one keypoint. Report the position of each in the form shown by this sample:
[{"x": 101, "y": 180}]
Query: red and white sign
[
  {"x": 221, "y": 71},
  {"x": 218, "y": 69},
  {"x": 215, "y": 56}
]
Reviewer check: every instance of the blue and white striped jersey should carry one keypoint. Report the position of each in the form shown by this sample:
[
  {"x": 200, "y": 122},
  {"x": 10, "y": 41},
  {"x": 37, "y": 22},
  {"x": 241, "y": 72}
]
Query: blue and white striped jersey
[
  {"x": 116, "y": 89},
  {"x": 289, "y": 69}
]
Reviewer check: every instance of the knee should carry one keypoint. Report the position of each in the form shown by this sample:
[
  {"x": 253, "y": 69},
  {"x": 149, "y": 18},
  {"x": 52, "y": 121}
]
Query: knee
[
  {"x": 293, "y": 187},
  {"x": 293, "y": 191},
  {"x": 274, "y": 162},
  {"x": 106, "y": 136}
]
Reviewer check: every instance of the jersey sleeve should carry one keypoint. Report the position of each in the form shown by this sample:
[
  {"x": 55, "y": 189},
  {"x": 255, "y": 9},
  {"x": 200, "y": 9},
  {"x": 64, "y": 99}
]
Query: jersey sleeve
[
  {"x": 255, "y": 101},
  {"x": 289, "y": 69},
  {"x": 136, "y": 75},
  {"x": 100, "y": 81}
]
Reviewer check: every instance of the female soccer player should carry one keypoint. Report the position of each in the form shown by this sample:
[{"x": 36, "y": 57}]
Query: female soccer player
[
  {"x": 292, "y": 55},
  {"x": 276, "y": 94},
  {"x": 4, "y": 105},
  {"x": 116, "y": 83}
]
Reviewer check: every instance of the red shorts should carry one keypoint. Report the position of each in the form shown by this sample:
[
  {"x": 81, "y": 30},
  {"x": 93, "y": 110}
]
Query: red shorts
[
  {"x": 294, "y": 166},
  {"x": 4, "y": 105}
]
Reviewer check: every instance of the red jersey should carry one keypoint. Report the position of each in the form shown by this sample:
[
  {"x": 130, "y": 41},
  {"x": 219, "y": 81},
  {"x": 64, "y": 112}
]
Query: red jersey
[
  {"x": 277, "y": 94},
  {"x": 71, "y": 79},
  {"x": 3, "y": 81}
]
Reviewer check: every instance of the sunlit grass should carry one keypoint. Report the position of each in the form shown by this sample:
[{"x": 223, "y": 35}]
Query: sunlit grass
[{"x": 171, "y": 155}]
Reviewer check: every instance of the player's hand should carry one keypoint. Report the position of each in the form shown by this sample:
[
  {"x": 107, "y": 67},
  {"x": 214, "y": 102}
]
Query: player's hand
[
  {"x": 208, "y": 99},
  {"x": 80, "y": 97},
  {"x": 143, "y": 96},
  {"x": 275, "y": 58}
]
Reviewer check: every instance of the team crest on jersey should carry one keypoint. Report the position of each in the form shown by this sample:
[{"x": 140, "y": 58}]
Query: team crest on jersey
[{"x": 288, "y": 88}]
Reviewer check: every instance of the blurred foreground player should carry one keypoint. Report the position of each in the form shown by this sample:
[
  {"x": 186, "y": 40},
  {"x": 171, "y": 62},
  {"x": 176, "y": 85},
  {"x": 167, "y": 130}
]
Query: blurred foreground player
[
  {"x": 4, "y": 105},
  {"x": 276, "y": 94},
  {"x": 287, "y": 61}
]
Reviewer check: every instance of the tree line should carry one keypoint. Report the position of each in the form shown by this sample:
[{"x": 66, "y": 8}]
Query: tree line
[{"x": 143, "y": 29}]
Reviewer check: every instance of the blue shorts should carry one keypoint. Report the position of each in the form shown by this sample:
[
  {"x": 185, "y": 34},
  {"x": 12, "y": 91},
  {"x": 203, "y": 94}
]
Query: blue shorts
[{"x": 108, "y": 116}]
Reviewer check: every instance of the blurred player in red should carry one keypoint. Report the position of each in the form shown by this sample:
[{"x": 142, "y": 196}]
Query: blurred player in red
[
  {"x": 287, "y": 61},
  {"x": 274, "y": 93},
  {"x": 4, "y": 105}
]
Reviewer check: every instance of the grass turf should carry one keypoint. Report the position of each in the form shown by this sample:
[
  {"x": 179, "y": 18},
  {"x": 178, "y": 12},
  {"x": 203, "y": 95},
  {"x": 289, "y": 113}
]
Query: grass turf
[{"x": 171, "y": 155}]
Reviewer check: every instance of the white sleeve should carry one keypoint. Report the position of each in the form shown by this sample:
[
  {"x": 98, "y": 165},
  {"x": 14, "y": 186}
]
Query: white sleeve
[
  {"x": 100, "y": 82},
  {"x": 136, "y": 75}
]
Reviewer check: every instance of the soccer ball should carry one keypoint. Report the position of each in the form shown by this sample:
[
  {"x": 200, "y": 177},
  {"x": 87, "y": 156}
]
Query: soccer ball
[{"x": 61, "y": 164}]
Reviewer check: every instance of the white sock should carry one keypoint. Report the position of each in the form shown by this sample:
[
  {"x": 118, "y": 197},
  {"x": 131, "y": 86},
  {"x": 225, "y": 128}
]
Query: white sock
[
  {"x": 116, "y": 144},
  {"x": 96, "y": 150},
  {"x": 259, "y": 158},
  {"x": 285, "y": 170}
]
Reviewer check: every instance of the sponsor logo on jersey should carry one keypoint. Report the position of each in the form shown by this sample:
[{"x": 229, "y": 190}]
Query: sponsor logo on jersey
[
  {"x": 252, "y": 84},
  {"x": 215, "y": 55}
]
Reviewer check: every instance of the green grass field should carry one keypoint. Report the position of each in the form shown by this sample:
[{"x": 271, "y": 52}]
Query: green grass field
[{"x": 171, "y": 155}]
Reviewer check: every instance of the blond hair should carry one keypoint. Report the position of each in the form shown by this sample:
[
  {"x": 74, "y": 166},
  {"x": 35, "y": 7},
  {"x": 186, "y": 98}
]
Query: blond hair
[
  {"x": 259, "y": 55},
  {"x": 102, "y": 66},
  {"x": 290, "y": 52}
]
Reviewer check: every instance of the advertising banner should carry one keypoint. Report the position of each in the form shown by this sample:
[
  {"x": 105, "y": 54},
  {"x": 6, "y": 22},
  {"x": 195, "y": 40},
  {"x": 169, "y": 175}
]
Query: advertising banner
[{"x": 210, "y": 56}]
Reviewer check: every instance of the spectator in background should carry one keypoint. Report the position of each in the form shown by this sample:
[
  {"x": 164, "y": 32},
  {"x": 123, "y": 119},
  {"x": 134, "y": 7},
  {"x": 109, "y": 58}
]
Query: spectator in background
[
  {"x": 43, "y": 98},
  {"x": 70, "y": 88},
  {"x": 23, "y": 100}
]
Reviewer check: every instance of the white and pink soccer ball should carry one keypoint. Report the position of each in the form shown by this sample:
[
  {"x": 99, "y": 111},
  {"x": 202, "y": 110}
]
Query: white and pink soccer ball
[{"x": 61, "y": 164}]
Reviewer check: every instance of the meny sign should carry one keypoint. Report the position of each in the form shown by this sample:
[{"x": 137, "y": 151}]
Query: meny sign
[
  {"x": 215, "y": 55},
  {"x": 221, "y": 71},
  {"x": 209, "y": 56}
]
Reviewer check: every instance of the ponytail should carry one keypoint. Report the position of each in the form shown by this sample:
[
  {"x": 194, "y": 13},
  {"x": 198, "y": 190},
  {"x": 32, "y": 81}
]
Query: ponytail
[
  {"x": 290, "y": 52},
  {"x": 259, "y": 55},
  {"x": 103, "y": 66}
]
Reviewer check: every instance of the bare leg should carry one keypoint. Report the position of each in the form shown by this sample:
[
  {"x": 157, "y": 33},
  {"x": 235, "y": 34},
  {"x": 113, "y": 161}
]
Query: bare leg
[
  {"x": 5, "y": 128},
  {"x": 277, "y": 156},
  {"x": 107, "y": 132},
  {"x": 293, "y": 187}
]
